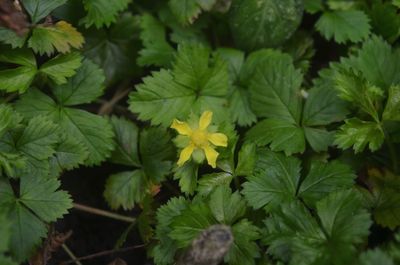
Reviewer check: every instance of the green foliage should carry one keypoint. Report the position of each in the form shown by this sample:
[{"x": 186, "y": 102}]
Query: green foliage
[
  {"x": 266, "y": 23},
  {"x": 310, "y": 173},
  {"x": 344, "y": 25}
]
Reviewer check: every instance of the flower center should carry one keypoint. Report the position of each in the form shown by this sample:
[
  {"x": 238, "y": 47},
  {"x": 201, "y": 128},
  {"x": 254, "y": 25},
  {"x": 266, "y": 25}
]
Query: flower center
[{"x": 199, "y": 138}]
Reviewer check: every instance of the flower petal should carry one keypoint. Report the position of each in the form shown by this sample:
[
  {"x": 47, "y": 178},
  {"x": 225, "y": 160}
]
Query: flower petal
[
  {"x": 205, "y": 119},
  {"x": 218, "y": 139},
  {"x": 211, "y": 156},
  {"x": 181, "y": 127},
  {"x": 185, "y": 154}
]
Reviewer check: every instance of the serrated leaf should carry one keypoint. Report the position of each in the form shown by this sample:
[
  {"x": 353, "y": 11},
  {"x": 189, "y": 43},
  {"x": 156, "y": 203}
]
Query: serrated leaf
[
  {"x": 194, "y": 85},
  {"x": 8, "y": 36},
  {"x": 323, "y": 107},
  {"x": 355, "y": 89},
  {"x": 226, "y": 206},
  {"x": 385, "y": 60},
  {"x": 280, "y": 134},
  {"x": 84, "y": 87},
  {"x": 313, "y": 6},
  {"x": 164, "y": 252},
  {"x": 275, "y": 180},
  {"x": 275, "y": 89},
  {"x": 126, "y": 134},
  {"x": 359, "y": 134},
  {"x": 40, "y": 9},
  {"x": 323, "y": 179},
  {"x": 240, "y": 108},
  {"x": 187, "y": 11},
  {"x": 244, "y": 250},
  {"x": 60, "y": 37},
  {"x": 156, "y": 51},
  {"x": 385, "y": 21},
  {"x": 344, "y": 223},
  {"x": 17, "y": 79},
  {"x": 190, "y": 223},
  {"x": 125, "y": 189},
  {"x": 267, "y": 23},
  {"x": 208, "y": 183},
  {"x": 4, "y": 231},
  {"x": 392, "y": 109},
  {"x": 384, "y": 199},
  {"x": 43, "y": 198},
  {"x": 344, "y": 25},
  {"x": 102, "y": 12},
  {"x": 92, "y": 131},
  {"x": 114, "y": 48},
  {"x": 187, "y": 175},
  {"x": 156, "y": 152},
  {"x": 319, "y": 139},
  {"x": 27, "y": 232},
  {"x": 375, "y": 256},
  {"x": 38, "y": 138},
  {"x": 59, "y": 68},
  {"x": 69, "y": 154}
]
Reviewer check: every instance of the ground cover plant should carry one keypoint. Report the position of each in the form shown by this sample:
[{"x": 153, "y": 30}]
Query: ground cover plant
[{"x": 241, "y": 132}]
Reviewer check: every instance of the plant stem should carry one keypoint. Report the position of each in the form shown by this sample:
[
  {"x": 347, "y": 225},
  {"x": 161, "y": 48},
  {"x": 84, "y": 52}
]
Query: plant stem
[
  {"x": 103, "y": 253},
  {"x": 104, "y": 213},
  {"x": 71, "y": 254}
]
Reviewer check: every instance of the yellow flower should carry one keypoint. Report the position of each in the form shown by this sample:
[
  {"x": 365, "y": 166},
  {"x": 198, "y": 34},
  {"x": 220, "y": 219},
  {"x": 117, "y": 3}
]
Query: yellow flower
[{"x": 200, "y": 138}]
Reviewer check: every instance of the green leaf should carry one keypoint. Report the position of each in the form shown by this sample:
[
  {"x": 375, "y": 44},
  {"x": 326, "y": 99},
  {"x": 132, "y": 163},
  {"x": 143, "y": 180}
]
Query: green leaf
[
  {"x": 27, "y": 232},
  {"x": 4, "y": 231},
  {"x": 208, "y": 183},
  {"x": 378, "y": 53},
  {"x": 164, "y": 252},
  {"x": 240, "y": 108},
  {"x": 187, "y": 175},
  {"x": 392, "y": 109},
  {"x": 323, "y": 179},
  {"x": 226, "y": 207},
  {"x": 84, "y": 87},
  {"x": 275, "y": 180},
  {"x": 17, "y": 79},
  {"x": 125, "y": 189},
  {"x": 114, "y": 48},
  {"x": 69, "y": 154},
  {"x": 187, "y": 11},
  {"x": 41, "y": 196},
  {"x": 8, "y": 118},
  {"x": 156, "y": 51},
  {"x": 92, "y": 131},
  {"x": 40, "y": 9},
  {"x": 323, "y": 107},
  {"x": 353, "y": 88},
  {"x": 280, "y": 134},
  {"x": 244, "y": 250},
  {"x": 59, "y": 68},
  {"x": 9, "y": 36},
  {"x": 126, "y": 134},
  {"x": 313, "y": 6},
  {"x": 385, "y": 21},
  {"x": 194, "y": 84},
  {"x": 246, "y": 160},
  {"x": 60, "y": 37},
  {"x": 267, "y": 23},
  {"x": 384, "y": 199},
  {"x": 344, "y": 25},
  {"x": 102, "y": 12},
  {"x": 296, "y": 237},
  {"x": 375, "y": 256},
  {"x": 359, "y": 134},
  {"x": 156, "y": 152},
  {"x": 38, "y": 201},
  {"x": 319, "y": 139},
  {"x": 38, "y": 138},
  {"x": 275, "y": 89},
  {"x": 190, "y": 223}
]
